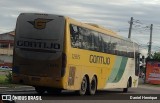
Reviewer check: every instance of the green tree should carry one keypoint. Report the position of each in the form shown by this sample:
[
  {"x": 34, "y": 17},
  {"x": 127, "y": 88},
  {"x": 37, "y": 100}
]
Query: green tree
[{"x": 156, "y": 56}]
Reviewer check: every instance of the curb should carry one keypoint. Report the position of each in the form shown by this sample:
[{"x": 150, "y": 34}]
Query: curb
[{"x": 3, "y": 87}]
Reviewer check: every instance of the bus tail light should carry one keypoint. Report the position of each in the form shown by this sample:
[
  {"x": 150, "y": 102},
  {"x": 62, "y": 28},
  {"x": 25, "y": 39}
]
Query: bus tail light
[{"x": 64, "y": 62}]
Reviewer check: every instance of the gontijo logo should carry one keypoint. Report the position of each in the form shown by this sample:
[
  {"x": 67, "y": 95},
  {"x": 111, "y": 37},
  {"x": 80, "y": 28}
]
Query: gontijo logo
[
  {"x": 37, "y": 44},
  {"x": 99, "y": 59},
  {"x": 40, "y": 23}
]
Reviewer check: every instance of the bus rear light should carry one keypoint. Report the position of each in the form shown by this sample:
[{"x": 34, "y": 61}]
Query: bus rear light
[{"x": 64, "y": 62}]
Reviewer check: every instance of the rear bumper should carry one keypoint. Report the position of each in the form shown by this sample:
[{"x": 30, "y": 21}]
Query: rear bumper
[{"x": 37, "y": 81}]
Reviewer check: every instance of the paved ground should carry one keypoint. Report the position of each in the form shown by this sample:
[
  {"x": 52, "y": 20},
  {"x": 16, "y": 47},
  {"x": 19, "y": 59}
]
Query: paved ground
[
  {"x": 30, "y": 90},
  {"x": 25, "y": 87},
  {"x": 98, "y": 98}
]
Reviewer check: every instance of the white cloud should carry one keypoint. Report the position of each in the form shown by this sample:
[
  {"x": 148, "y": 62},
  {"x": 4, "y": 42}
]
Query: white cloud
[
  {"x": 139, "y": 13},
  {"x": 4, "y": 30},
  {"x": 144, "y": 52},
  {"x": 10, "y": 15},
  {"x": 28, "y": 9}
]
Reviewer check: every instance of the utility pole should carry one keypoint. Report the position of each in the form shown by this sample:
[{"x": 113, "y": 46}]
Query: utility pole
[
  {"x": 150, "y": 41},
  {"x": 130, "y": 28}
]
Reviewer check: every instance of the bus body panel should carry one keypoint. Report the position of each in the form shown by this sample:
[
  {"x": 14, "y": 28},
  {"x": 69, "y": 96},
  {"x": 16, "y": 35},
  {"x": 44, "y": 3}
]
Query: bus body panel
[
  {"x": 128, "y": 72},
  {"x": 80, "y": 64}
]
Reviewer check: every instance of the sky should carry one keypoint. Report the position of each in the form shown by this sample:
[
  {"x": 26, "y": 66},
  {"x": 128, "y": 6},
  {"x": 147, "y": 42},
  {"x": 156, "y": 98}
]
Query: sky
[{"x": 112, "y": 14}]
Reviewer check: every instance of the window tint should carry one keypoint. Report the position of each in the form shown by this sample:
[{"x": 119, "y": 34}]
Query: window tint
[
  {"x": 87, "y": 39},
  {"x": 74, "y": 36},
  {"x": 113, "y": 44},
  {"x": 106, "y": 43},
  {"x": 95, "y": 41}
]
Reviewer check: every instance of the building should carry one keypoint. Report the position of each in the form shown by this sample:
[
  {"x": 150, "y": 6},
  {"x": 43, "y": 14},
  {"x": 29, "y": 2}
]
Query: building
[
  {"x": 153, "y": 71},
  {"x": 6, "y": 48}
]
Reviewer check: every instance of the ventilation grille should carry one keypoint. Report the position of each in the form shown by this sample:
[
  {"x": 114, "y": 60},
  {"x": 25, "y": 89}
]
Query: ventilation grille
[{"x": 71, "y": 75}]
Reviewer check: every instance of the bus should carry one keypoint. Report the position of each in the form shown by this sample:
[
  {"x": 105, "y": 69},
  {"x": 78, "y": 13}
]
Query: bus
[{"x": 54, "y": 53}]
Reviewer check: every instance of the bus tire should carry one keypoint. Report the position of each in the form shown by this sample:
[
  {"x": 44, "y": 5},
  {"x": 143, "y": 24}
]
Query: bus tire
[
  {"x": 40, "y": 90},
  {"x": 83, "y": 87},
  {"x": 93, "y": 86},
  {"x": 125, "y": 90}
]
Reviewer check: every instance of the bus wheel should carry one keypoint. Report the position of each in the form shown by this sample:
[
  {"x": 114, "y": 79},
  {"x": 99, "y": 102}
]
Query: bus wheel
[
  {"x": 93, "y": 86},
  {"x": 125, "y": 90},
  {"x": 83, "y": 87},
  {"x": 40, "y": 90}
]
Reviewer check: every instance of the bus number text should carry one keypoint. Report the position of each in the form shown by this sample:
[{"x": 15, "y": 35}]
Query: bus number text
[{"x": 75, "y": 56}]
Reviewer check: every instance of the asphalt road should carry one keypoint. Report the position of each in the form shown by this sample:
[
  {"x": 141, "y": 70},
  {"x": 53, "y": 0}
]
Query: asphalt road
[{"x": 104, "y": 96}]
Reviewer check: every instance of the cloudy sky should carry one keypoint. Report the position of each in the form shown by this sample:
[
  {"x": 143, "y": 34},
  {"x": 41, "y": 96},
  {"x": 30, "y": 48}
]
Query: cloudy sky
[{"x": 112, "y": 14}]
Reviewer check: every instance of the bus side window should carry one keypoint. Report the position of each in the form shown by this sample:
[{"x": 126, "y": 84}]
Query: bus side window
[
  {"x": 113, "y": 45},
  {"x": 95, "y": 41},
  {"x": 80, "y": 39},
  {"x": 74, "y": 35},
  {"x": 101, "y": 43},
  {"x": 106, "y": 43},
  {"x": 83, "y": 42},
  {"x": 90, "y": 40},
  {"x": 86, "y": 39}
]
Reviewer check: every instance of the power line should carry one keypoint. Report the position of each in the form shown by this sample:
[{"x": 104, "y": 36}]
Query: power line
[{"x": 130, "y": 28}]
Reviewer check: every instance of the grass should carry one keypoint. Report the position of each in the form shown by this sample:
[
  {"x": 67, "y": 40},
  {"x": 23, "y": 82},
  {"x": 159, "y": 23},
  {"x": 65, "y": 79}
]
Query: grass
[
  {"x": 3, "y": 79},
  {"x": 5, "y": 83}
]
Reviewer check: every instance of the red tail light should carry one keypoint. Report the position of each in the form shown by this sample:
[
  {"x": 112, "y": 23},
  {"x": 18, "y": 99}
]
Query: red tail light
[{"x": 64, "y": 62}]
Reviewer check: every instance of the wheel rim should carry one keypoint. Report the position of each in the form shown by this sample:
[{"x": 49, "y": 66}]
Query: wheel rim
[{"x": 84, "y": 85}]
